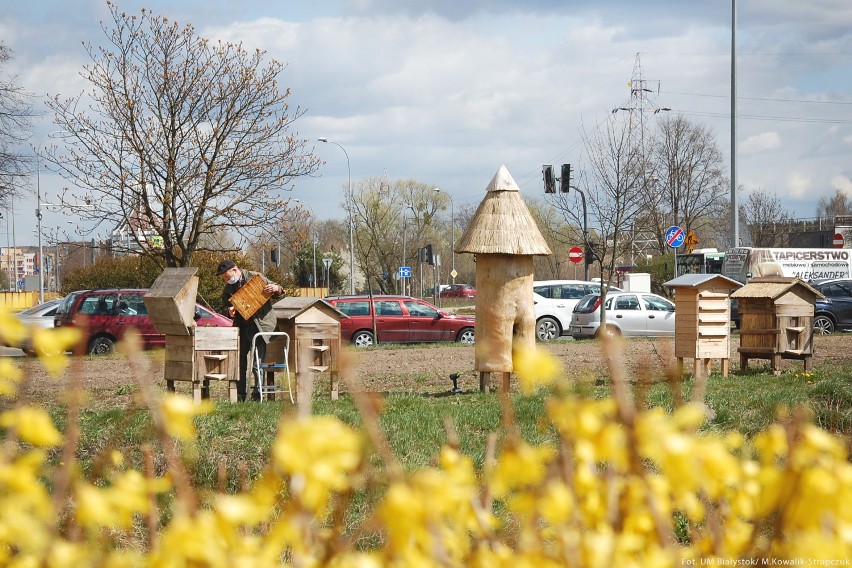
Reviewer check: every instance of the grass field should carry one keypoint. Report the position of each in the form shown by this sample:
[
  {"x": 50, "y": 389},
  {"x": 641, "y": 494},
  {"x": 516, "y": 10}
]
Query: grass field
[{"x": 236, "y": 438}]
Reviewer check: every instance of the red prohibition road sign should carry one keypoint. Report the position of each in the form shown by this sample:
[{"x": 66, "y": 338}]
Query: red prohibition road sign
[
  {"x": 575, "y": 254},
  {"x": 838, "y": 241}
]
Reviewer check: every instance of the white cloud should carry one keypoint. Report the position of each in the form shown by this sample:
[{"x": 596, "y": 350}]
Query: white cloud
[{"x": 760, "y": 143}]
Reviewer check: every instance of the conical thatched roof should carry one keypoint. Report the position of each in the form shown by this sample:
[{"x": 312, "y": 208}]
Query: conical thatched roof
[{"x": 502, "y": 224}]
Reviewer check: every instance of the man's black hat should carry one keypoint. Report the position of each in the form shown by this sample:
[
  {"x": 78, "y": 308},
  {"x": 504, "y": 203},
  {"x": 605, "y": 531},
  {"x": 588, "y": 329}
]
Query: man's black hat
[{"x": 225, "y": 266}]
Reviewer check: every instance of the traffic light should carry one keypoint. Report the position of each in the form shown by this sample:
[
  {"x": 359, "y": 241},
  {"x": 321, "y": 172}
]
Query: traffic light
[
  {"x": 549, "y": 182},
  {"x": 590, "y": 255},
  {"x": 565, "y": 180},
  {"x": 426, "y": 254}
]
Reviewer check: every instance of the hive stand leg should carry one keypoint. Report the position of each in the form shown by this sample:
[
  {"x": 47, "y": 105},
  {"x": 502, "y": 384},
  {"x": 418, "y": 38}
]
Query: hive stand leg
[
  {"x": 680, "y": 366},
  {"x": 699, "y": 384},
  {"x": 232, "y": 391},
  {"x": 743, "y": 361},
  {"x": 170, "y": 385},
  {"x": 809, "y": 364},
  {"x": 205, "y": 388},
  {"x": 505, "y": 382},
  {"x": 484, "y": 380},
  {"x": 725, "y": 367},
  {"x": 776, "y": 364},
  {"x": 335, "y": 385},
  {"x": 196, "y": 392}
]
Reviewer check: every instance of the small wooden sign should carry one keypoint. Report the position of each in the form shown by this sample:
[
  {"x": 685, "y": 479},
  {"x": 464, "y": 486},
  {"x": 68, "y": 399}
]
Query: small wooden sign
[{"x": 248, "y": 299}]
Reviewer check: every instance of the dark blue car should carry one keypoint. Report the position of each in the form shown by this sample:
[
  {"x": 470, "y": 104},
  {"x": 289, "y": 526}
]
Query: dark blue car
[{"x": 834, "y": 311}]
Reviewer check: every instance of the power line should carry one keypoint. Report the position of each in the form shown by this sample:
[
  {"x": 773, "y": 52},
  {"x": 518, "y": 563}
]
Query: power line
[{"x": 762, "y": 99}]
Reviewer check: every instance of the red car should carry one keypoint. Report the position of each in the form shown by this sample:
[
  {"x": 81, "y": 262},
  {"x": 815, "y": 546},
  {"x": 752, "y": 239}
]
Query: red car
[
  {"x": 399, "y": 319},
  {"x": 459, "y": 291},
  {"x": 106, "y": 314}
]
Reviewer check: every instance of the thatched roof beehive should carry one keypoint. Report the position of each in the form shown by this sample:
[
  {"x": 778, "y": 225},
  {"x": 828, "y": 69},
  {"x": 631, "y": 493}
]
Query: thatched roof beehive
[{"x": 502, "y": 223}]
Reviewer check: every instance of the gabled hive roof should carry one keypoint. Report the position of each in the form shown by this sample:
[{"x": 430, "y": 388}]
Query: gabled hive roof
[{"x": 502, "y": 223}]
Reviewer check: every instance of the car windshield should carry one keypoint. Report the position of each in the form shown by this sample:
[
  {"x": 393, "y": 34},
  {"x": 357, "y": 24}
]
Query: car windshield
[
  {"x": 37, "y": 308},
  {"x": 66, "y": 304},
  {"x": 587, "y": 304}
]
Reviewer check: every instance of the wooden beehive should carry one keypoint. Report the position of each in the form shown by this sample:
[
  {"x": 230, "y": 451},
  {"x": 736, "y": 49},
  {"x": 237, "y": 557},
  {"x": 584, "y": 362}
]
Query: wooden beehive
[
  {"x": 702, "y": 320},
  {"x": 776, "y": 320},
  {"x": 193, "y": 354},
  {"x": 504, "y": 237},
  {"x": 314, "y": 329}
]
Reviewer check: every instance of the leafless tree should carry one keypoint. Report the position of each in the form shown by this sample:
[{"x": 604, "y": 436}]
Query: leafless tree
[
  {"x": 767, "y": 220},
  {"x": 178, "y": 136},
  {"x": 612, "y": 186},
  {"x": 837, "y": 204},
  {"x": 389, "y": 216},
  {"x": 16, "y": 114},
  {"x": 560, "y": 237},
  {"x": 691, "y": 188}
]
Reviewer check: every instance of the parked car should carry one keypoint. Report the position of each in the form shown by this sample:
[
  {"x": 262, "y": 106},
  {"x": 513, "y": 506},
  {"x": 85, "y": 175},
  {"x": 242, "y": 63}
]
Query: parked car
[
  {"x": 104, "y": 316},
  {"x": 40, "y": 315},
  {"x": 554, "y": 302},
  {"x": 459, "y": 291},
  {"x": 834, "y": 311},
  {"x": 399, "y": 319},
  {"x": 627, "y": 313}
]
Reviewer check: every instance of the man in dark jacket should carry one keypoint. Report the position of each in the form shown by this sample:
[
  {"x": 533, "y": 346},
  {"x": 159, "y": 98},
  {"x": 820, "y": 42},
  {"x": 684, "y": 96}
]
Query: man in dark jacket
[{"x": 263, "y": 319}]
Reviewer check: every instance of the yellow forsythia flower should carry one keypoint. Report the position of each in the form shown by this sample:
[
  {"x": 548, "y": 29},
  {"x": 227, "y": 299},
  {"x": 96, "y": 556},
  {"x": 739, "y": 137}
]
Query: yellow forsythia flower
[
  {"x": 319, "y": 453},
  {"x": 33, "y": 425},
  {"x": 535, "y": 368},
  {"x": 179, "y": 412},
  {"x": 520, "y": 465},
  {"x": 51, "y": 344},
  {"x": 12, "y": 330},
  {"x": 10, "y": 376}
]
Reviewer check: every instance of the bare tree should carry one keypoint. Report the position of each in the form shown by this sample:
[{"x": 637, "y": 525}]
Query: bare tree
[
  {"x": 837, "y": 204},
  {"x": 15, "y": 118},
  {"x": 692, "y": 189},
  {"x": 560, "y": 237},
  {"x": 390, "y": 216},
  {"x": 179, "y": 136},
  {"x": 613, "y": 188},
  {"x": 767, "y": 220}
]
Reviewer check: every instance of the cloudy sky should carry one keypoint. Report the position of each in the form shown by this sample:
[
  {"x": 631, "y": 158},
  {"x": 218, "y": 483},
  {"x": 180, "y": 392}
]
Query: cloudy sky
[{"x": 445, "y": 91}]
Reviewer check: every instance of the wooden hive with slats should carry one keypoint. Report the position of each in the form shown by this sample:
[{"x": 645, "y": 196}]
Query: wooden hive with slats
[
  {"x": 194, "y": 354},
  {"x": 703, "y": 320}
]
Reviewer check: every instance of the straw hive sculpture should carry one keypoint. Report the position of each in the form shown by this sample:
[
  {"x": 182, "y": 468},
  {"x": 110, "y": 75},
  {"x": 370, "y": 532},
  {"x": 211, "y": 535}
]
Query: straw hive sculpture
[{"x": 504, "y": 237}]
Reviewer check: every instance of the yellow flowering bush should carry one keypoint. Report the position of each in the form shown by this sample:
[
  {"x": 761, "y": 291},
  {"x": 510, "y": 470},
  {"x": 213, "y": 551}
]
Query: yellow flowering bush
[{"x": 611, "y": 491}]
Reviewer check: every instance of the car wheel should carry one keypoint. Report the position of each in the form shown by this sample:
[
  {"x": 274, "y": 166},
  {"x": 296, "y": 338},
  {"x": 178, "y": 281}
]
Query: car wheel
[
  {"x": 823, "y": 325},
  {"x": 547, "y": 329},
  {"x": 363, "y": 339},
  {"x": 466, "y": 336},
  {"x": 101, "y": 345},
  {"x": 609, "y": 330}
]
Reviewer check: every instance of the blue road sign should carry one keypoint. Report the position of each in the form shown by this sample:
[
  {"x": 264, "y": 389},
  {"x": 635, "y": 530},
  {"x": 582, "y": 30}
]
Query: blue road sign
[
  {"x": 21, "y": 282},
  {"x": 675, "y": 236},
  {"x": 405, "y": 272}
]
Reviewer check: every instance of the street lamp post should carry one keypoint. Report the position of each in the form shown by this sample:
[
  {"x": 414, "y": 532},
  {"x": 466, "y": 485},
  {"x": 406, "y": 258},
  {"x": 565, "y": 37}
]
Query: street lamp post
[
  {"x": 351, "y": 226},
  {"x": 452, "y": 233},
  {"x": 38, "y": 215}
]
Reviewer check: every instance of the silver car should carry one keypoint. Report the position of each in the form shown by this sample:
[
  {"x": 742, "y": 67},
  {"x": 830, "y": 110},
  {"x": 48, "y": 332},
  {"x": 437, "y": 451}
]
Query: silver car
[
  {"x": 630, "y": 314},
  {"x": 40, "y": 315},
  {"x": 554, "y": 302}
]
